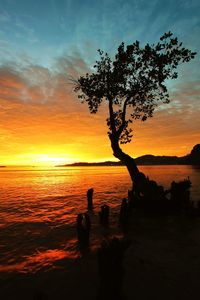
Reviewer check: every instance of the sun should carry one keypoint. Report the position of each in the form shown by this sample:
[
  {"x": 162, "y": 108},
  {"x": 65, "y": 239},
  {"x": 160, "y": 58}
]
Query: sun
[{"x": 46, "y": 159}]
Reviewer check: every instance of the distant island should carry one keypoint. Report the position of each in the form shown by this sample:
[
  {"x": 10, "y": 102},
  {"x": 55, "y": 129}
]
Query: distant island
[{"x": 190, "y": 159}]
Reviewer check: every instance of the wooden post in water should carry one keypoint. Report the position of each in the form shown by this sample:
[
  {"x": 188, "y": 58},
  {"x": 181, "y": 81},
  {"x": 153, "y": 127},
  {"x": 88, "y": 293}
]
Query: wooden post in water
[
  {"x": 124, "y": 213},
  {"x": 104, "y": 214},
  {"x": 90, "y": 198},
  {"x": 83, "y": 225}
]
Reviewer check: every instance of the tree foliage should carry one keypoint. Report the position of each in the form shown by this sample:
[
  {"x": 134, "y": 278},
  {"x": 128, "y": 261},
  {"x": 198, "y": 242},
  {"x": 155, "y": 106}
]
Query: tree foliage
[{"x": 133, "y": 83}]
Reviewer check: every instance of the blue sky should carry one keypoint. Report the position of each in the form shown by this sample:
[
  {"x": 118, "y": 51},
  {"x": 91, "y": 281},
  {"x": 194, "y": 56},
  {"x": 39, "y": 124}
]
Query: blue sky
[
  {"x": 43, "y": 30},
  {"x": 43, "y": 42}
]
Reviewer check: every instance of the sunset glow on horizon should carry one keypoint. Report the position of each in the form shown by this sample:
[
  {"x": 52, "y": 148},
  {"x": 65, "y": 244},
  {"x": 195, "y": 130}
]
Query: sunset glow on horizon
[{"x": 43, "y": 45}]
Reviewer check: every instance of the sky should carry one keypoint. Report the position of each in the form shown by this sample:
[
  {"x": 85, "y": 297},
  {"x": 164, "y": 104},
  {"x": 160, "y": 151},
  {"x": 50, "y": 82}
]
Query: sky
[{"x": 45, "y": 43}]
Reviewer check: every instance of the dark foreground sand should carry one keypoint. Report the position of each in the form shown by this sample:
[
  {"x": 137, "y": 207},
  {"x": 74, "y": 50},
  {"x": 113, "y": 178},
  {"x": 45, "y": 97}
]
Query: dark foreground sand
[{"x": 163, "y": 262}]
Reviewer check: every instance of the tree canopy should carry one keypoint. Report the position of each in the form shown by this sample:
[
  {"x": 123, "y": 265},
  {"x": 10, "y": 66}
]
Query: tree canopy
[{"x": 133, "y": 83}]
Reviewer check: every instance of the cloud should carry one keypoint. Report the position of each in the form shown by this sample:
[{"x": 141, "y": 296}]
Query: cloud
[
  {"x": 40, "y": 114},
  {"x": 36, "y": 84},
  {"x": 174, "y": 129},
  {"x": 32, "y": 84},
  {"x": 4, "y": 17},
  {"x": 24, "y": 30}
]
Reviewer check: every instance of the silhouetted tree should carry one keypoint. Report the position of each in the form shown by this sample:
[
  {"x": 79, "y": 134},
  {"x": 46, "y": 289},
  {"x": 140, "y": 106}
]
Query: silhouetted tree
[{"x": 132, "y": 84}]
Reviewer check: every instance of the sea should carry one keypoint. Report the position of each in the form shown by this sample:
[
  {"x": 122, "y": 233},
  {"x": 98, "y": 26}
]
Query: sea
[{"x": 39, "y": 206}]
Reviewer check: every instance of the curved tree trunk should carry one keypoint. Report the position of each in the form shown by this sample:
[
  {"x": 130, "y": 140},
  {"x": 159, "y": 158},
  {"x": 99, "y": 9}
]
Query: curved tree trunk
[
  {"x": 114, "y": 136},
  {"x": 127, "y": 160}
]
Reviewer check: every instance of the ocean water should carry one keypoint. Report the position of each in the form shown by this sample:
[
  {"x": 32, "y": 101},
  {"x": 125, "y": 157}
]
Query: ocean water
[{"x": 38, "y": 208}]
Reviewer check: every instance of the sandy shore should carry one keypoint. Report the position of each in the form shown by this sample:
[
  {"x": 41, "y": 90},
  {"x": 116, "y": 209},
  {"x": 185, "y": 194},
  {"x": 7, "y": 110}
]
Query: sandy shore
[{"x": 162, "y": 262}]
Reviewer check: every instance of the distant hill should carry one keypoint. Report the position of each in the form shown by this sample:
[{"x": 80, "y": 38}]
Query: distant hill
[
  {"x": 90, "y": 164},
  {"x": 194, "y": 157},
  {"x": 156, "y": 160},
  {"x": 190, "y": 159}
]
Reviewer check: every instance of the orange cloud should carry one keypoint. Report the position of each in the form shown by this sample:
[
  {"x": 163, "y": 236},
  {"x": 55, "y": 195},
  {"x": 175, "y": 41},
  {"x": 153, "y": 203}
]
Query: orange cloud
[{"x": 40, "y": 115}]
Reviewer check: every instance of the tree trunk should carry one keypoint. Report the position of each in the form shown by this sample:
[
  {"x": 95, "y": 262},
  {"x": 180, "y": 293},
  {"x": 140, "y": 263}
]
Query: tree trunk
[{"x": 127, "y": 160}]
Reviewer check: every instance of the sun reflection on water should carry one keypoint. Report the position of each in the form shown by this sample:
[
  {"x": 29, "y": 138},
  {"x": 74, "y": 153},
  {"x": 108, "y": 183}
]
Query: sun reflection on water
[{"x": 40, "y": 260}]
